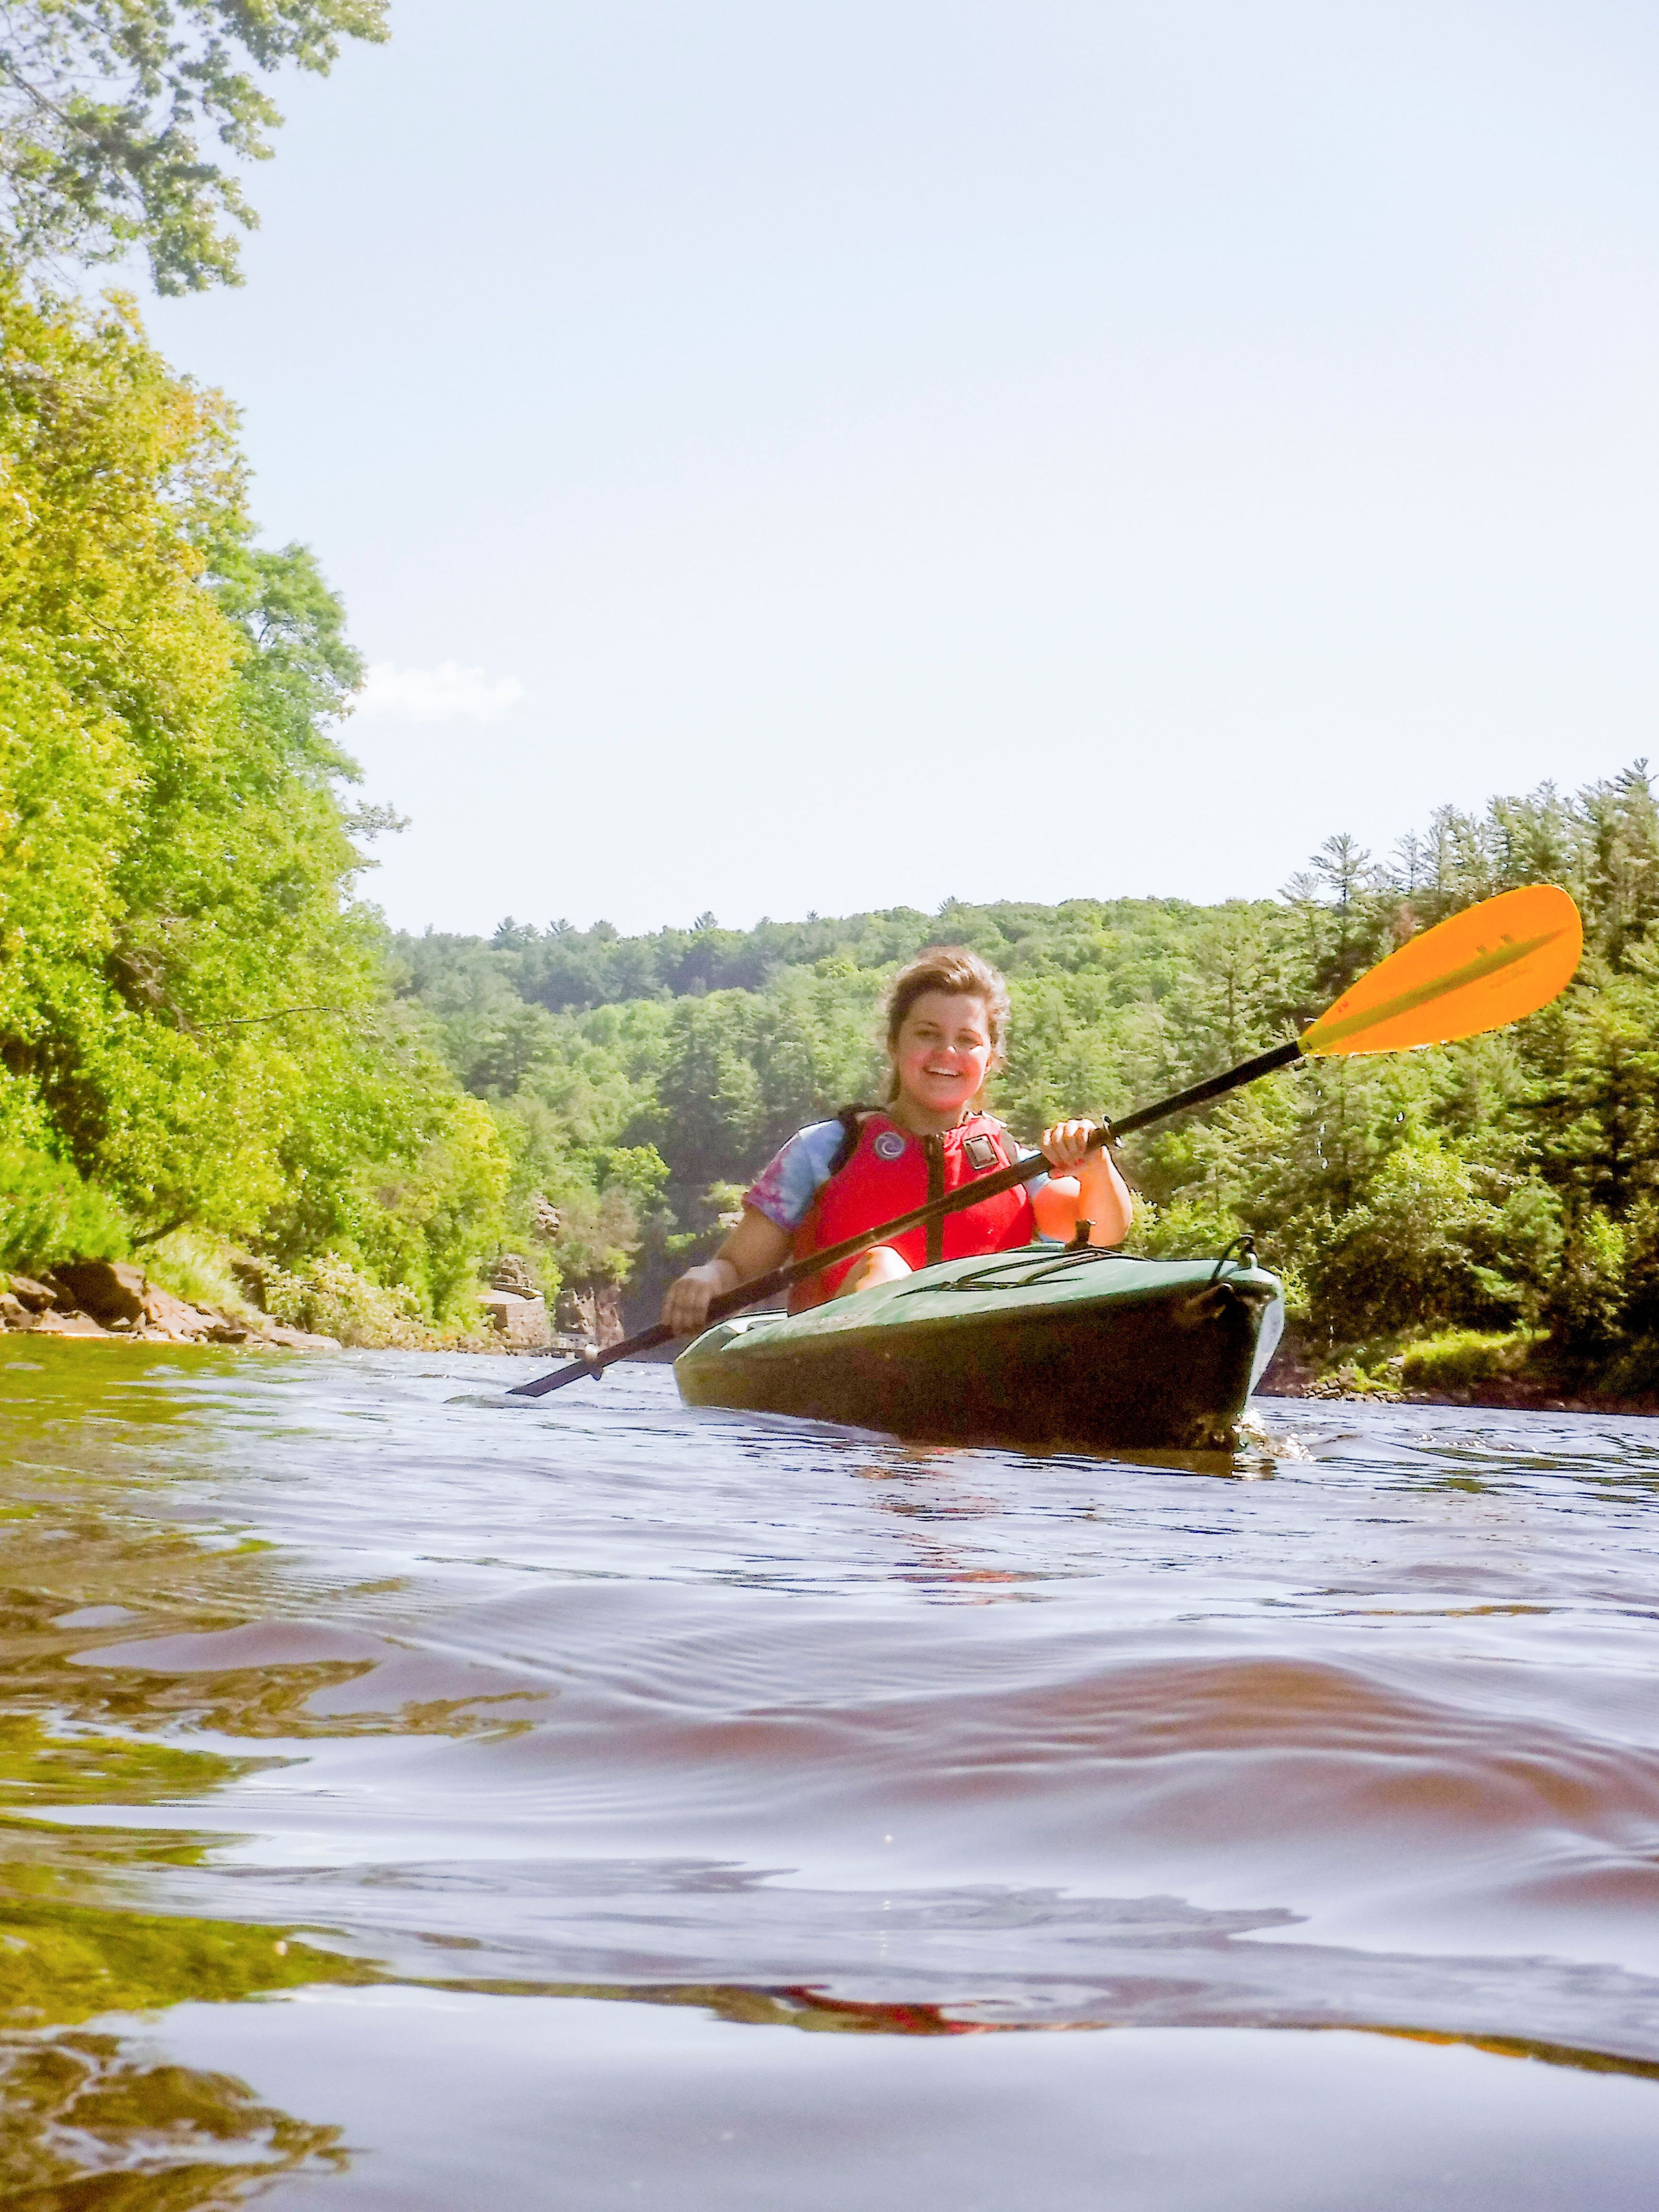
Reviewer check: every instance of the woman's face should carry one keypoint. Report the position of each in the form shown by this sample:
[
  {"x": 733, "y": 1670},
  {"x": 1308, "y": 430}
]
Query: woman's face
[{"x": 943, "y": 1052}]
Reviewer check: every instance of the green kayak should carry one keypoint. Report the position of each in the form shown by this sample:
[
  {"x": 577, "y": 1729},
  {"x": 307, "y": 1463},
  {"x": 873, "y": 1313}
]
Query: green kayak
[{"x": 1043, "y": 1345}]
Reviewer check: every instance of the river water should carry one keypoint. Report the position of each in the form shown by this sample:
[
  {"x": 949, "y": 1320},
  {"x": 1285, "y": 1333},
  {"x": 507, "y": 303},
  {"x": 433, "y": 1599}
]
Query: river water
[{"x": 415, "y": 1800}]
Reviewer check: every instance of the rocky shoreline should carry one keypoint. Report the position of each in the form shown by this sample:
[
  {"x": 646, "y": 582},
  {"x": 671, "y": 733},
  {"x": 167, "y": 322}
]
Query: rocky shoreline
[
  {"x": 1511, "y": 1393},
  {"x": 1292, "y": 1374},
  {"x": 114, "y": 1300}
]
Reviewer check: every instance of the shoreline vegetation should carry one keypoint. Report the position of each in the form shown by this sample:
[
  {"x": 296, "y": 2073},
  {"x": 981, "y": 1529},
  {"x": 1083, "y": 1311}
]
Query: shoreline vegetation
[{"x": 219, "y": 1067}]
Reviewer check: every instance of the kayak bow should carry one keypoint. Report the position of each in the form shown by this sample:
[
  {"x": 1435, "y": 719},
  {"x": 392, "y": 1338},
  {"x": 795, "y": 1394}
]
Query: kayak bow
[{"x": 1047, "y": 1344}]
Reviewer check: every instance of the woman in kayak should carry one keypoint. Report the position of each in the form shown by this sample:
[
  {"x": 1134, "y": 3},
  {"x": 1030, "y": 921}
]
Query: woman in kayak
[{"x": 946, "y": 1016}]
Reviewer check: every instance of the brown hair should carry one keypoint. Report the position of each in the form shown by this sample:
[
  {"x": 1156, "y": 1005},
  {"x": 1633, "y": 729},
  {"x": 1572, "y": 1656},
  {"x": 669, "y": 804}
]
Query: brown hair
[{"x": 961, "y": 974}]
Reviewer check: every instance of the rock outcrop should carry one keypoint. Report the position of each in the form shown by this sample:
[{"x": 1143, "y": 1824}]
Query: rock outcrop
[
  {"x": 110, "y": 1290},
  {"x": 67, "y": 1324},
  {"x": 521, "y": 1321},
  {"x": 515, "y": 1309},
  {"x": 115, "y": 1299},
  {"x": 591, "y": 1311},
  {"x": 511, "y": 1271}
]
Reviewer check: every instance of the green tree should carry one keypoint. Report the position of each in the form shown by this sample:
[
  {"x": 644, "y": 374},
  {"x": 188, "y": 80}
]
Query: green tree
[
  {"x": 194, "y": 1024},
  {"x": 105, "y": 107},
  {"x": 1511, "y": 1180}
]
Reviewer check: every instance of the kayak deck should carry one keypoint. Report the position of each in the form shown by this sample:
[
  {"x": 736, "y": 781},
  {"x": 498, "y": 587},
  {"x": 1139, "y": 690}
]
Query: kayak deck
[{"x": 1043, "y": 1345}]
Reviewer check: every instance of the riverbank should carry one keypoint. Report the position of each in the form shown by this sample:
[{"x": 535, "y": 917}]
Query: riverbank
[
  {"x": 118, "y": 1301},
  {"x": 111, "y": 1300},
  {"x": 1508, "y": 1383}
]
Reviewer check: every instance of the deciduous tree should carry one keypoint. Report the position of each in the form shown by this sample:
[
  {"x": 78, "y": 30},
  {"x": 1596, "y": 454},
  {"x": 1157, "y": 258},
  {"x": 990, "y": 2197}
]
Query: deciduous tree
[{"x": 120, "y": 120}]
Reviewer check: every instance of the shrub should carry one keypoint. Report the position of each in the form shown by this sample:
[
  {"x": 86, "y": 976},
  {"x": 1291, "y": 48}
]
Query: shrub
[
  {"x": 1404, "y": 1253},
  {"x": 1186, "y": 1229},
  {"x": 1463, "y": 1357},
  {"x": 48, "y": 1213},
  {"x": 333, "y": 1299}
]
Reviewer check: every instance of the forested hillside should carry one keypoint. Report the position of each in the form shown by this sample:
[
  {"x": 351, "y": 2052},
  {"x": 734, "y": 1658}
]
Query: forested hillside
[
  {"x": 1505, "y": 1187},
  {"x": 213, "y": 1055},
  {"x": 209, "y": 1047}
]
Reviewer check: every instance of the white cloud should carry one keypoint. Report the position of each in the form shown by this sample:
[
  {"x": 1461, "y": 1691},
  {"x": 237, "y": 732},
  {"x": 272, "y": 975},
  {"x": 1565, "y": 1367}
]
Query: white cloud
[{"x": 447, "y": 693}]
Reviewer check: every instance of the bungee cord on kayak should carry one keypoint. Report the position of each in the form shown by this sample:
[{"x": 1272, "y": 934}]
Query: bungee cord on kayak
[{"x": 1027, "y": 1274}]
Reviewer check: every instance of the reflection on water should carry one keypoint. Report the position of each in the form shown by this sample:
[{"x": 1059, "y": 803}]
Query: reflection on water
[
  {"x": 81, "y": 2124},
  {"x": 343, "y": 1705}
]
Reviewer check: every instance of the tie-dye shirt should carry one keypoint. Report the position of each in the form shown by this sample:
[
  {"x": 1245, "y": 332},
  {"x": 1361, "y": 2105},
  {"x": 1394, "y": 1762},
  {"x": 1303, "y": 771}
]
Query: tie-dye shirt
[{"x": 785, "y": 1187}]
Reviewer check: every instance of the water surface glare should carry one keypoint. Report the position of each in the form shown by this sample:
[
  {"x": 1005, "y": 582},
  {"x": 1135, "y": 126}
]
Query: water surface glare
[{"x": 415, "y": 1798}]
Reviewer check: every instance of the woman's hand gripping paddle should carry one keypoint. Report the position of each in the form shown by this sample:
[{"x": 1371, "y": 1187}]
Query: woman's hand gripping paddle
[{"x": 1491, "y": 965}]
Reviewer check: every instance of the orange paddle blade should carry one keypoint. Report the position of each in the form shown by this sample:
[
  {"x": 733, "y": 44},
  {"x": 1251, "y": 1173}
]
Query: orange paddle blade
[{"x": 1490, "y": 965}]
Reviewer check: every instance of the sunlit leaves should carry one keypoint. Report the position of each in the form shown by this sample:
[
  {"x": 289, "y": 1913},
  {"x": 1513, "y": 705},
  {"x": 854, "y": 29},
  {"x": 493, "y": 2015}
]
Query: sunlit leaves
[
  {"x": 192, "y": 1015},
  {"x": 115, "y": 116}
]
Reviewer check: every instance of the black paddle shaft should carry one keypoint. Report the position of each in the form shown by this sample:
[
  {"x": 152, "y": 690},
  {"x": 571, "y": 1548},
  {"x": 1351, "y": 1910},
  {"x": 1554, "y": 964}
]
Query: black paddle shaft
[{"x": 795, "y": 1271}]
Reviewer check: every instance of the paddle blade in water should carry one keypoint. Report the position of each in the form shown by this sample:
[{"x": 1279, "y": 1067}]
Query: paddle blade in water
[{"x": 1488, "y": 966}]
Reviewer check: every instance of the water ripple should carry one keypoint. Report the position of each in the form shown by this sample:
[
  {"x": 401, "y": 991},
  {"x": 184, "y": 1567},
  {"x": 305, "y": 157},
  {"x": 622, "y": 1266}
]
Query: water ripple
[{"x": 604, "y": 1705}]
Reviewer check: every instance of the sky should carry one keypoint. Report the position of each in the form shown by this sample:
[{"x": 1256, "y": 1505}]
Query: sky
[{"x": 784, "y": 458}]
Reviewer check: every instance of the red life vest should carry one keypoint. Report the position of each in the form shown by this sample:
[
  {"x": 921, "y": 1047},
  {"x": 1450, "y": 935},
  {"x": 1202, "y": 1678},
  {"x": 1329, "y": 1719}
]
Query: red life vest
[{"x": 891, "y": 1171}]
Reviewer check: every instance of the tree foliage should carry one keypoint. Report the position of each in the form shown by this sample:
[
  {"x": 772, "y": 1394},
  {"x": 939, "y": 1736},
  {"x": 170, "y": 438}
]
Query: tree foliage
[
  {"x": 194, "y": 1022},
  {"x": 1510, "y": 1184},
  {"x": 108, "y": 109}
]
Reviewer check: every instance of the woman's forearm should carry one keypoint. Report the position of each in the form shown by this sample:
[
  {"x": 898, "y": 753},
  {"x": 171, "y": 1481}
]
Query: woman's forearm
[
  {"x": 753, "y": 1247},
  {"x": 1094, "y": 1192},
  {"x": 1104, "y": 1199}
]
